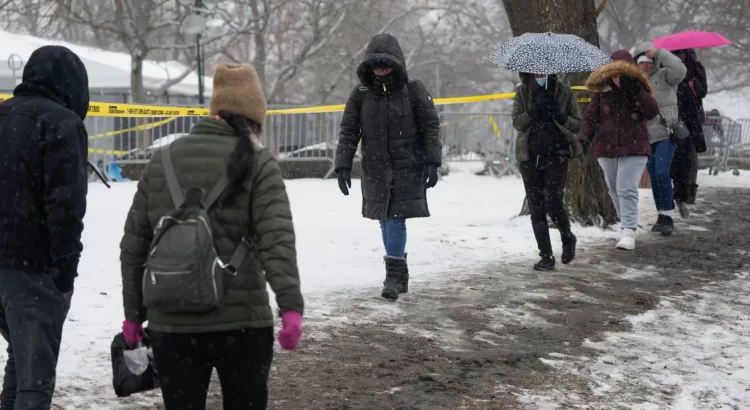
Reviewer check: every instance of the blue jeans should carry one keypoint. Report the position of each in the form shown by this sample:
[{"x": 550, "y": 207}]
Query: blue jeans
[
  {"x": 659, "y": 167},
  {"x": 394, "y": 237}
]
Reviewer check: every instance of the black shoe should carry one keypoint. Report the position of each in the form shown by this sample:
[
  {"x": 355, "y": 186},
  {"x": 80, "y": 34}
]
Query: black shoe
[
  {"x": 668, "y": 226},
  {"x": 659, "y": 224},
  {"x": 684, "y": 210},
  {"x": 664, "y": 225},
  {"x": 547, "y": 263},
  {"x": 396, "y": 278},
  {"x": 569, "y": 248}
]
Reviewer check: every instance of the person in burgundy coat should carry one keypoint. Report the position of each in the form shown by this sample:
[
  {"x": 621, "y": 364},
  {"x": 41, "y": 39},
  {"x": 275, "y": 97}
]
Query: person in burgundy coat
[{"x": 620, "y": 107}]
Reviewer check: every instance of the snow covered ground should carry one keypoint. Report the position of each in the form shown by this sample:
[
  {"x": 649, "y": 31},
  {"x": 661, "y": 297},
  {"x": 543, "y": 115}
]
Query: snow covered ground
[{"x": 473, "y": 225}]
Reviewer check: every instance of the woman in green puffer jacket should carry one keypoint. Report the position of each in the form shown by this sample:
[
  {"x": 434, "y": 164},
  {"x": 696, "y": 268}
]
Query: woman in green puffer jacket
[{"x": 236, "y": 338}]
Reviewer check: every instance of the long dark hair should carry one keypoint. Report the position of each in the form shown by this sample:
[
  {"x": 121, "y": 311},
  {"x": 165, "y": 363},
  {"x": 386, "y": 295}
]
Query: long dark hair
[{"x": 241, "y": 160}]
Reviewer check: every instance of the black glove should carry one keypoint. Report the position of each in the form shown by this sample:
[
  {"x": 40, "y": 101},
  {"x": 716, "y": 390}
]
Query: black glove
[
  {"x": 345, "y": 180},
  {"x": 561, "y": 118},
  {"x": 432, "y": 175},
  {"x": 630, "y": 86}
]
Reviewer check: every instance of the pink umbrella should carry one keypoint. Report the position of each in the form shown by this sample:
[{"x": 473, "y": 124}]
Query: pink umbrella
[{"x": 691, "y": 39}]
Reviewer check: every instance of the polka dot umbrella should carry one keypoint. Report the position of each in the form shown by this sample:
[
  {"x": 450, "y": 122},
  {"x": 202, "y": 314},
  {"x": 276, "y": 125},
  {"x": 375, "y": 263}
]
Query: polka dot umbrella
[{"x": 548, "y": 53}]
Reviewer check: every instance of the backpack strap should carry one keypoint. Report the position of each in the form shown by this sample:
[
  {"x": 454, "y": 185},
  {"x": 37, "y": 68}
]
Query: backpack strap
[
  {"x": 410, "y": 88},
  {"x": 216, "y": 191},
  {"x": 245, "y": 247},
  {"x": 174, "y": 185}
]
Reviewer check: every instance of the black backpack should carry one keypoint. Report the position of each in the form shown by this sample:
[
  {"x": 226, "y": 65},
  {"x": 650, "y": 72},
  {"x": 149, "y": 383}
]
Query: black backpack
[{"x": 183, "y": 272}]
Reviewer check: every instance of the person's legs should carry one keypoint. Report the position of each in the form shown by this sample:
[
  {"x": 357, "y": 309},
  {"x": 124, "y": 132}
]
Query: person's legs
[
  {"x": 660, "y": 165},
  {"x": 609, "y": 168},
  {"x": 395, "y": 237},
  {"x": 384, "y": 232},
  {"x": 693, "y": 187},
  {"x": 629, "y": 172},
  {"x": 533, "y": 182},
  {"x": 243, "y": 363},
  {"x": 681, "y": 173},
  {"x": 555, "y": 174},
  {"x": 184, "y": 372},
  {"x": 8, "y": 395},
  {"x": 34, "y": 312},
  {"x": 555, "y": 177}
]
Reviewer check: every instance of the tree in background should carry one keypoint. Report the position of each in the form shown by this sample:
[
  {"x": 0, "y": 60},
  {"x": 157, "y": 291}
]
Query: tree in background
[{"x": 586, "y": 195}]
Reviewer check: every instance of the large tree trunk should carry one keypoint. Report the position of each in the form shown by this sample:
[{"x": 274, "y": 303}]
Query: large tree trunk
[{"x": 586, "y": 194}]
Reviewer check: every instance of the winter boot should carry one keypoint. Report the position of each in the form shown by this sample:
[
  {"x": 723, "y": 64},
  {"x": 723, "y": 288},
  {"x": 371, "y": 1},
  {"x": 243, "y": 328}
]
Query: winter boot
[
  {"x": 668, "y": 227},
  {"x": 684, "y": 211},
  {"x": 659, "y": 225},
  {"x": 547, "y": 263},
  {"x": 404, "y": 282},
  {"x": 692, "y": 194},
  {"x": 627, "y": 242},
  {"x": 569, "y": 242},
  {"x": 395, "y": 269}
]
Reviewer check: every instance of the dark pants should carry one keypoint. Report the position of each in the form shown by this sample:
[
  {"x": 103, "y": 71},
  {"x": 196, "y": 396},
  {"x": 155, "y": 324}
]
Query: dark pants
[
  {"x": 684, "y": 170},
  {"x": 32, "y": 313},
  {"x": 544, "y": 180},
  {"x": 659, "y": 169},
  {"x": 242, "y": 358}
]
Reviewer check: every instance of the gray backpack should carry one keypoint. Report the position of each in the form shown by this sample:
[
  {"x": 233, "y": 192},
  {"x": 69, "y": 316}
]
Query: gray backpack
[{"x": 183, "y": 272}]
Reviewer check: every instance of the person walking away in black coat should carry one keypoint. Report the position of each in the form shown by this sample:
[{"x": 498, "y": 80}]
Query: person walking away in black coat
[
  {"x": 685, "y": 164},
  {"x": 397, "y": 124},
  {"x": 547, "y": 117},
  {"x": 43, "y": 186},
  {"x": 697, "y": 83}
]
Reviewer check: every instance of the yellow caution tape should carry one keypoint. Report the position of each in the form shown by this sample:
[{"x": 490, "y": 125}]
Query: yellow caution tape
[
  {"x": 103, "y": 109},
  {"x": 106, "y": 151},
  {"x": 144, "y": 127},
  {"x": 494, "y": 126}
]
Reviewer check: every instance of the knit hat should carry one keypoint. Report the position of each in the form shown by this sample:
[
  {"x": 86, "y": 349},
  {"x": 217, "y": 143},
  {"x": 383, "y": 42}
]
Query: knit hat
[
  {"x": 622, "y": 55},
  {"x": 237, "y": 89},
  {"x": 644, "y": 59}
]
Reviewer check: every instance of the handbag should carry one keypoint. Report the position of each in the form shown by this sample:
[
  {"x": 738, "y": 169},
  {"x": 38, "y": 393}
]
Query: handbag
[{"x": 677, "y": 132}]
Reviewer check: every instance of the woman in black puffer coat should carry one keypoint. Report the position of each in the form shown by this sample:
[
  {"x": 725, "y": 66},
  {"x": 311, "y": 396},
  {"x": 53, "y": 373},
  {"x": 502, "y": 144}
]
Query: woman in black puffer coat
[{"x": 397, "y": 124}]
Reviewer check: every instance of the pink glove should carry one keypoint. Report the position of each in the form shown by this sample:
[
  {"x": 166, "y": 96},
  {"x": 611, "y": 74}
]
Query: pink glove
[
  {"x": 133, "y": 333},
  {"x": 291, "y": 330}
]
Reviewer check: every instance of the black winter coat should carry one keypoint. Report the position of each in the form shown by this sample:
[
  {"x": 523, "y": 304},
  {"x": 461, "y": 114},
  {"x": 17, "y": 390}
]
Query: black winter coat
[
  {"x": 690, "y": 114},
  {"x": 399, "y": 133},
  {"x": 43, "y": 174}
]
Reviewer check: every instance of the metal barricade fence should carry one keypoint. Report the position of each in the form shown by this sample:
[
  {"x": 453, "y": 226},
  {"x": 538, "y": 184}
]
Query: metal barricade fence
[
  {"x": 479, "y": 137},
  {"x": 466, "y": 136},
  {"x": 292, "y": 137},
  {"x": 727, "y": 143}
]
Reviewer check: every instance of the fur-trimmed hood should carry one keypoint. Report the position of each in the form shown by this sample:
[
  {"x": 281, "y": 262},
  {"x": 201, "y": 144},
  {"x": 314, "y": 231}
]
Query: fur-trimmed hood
[{"x": 600, "y": 79}]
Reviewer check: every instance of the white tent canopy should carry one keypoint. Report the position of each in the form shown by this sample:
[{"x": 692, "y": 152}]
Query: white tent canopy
[{"x": 106, "y": 69}]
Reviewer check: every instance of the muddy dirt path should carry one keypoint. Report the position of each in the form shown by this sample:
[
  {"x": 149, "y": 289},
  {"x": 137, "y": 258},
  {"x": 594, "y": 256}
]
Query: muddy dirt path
[{"x": 474, "y": 341}]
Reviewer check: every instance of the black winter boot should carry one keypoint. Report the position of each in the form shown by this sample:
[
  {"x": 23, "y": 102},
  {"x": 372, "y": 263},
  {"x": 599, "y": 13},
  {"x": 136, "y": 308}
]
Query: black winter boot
[
  {"x": 547, "y": 263},
  {"x": 404, "y": 282},
  {"x": 664, "y": 225},
  {"x": 395, "y": 271},
  {"x": 668, "y": 228},
  {"x": 569, "y": 242}
]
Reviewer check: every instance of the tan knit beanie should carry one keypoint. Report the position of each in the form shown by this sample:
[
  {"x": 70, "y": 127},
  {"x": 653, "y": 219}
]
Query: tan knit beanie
[{"x": 237, "y": 90}]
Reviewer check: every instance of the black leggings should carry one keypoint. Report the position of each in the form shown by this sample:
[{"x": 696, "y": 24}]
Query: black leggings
[
  {"x": 544, "y": 179},
  {"x": 684, "y": 170},
  {"x": 242, "y": 359}
]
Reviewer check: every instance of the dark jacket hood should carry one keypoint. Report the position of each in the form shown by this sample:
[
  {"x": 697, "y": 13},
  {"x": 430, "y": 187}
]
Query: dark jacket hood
[
  {"x": 57, "y": 73},
  {"x": 383, "y": 49}
]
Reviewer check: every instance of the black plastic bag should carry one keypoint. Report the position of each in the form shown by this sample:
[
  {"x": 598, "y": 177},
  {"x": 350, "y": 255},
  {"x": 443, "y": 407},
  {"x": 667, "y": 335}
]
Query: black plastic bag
[{"x": 133, "y": 371}]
